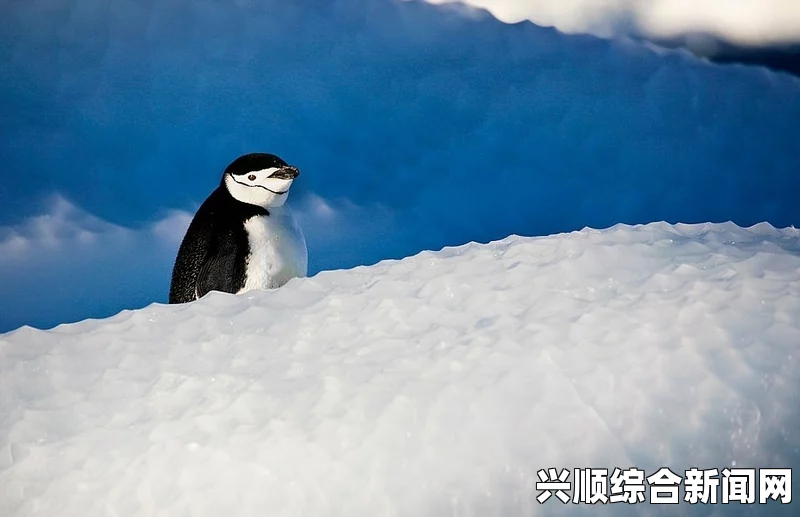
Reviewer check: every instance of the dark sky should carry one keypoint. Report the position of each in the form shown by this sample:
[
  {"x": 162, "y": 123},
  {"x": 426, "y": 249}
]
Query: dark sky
[{"x": 782, "y": 58}]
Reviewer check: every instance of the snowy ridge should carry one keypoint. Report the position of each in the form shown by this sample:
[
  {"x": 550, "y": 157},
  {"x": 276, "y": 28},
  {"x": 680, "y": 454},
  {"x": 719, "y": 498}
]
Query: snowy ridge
[
  {"x": 434, "y": 385},
  {"x": 750, "y": 22}
]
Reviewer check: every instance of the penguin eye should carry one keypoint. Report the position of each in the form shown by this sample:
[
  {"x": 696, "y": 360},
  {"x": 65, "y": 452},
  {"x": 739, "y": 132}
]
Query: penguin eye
[{"x": 252, "y": 177}]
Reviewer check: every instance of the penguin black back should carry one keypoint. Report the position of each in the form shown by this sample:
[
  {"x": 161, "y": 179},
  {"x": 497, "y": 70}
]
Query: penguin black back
[{"x": 216, "y": 232}]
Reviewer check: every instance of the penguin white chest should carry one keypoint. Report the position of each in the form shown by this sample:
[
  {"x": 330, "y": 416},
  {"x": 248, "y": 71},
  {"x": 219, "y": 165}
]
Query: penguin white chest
[{"x": 277, "y": 250}]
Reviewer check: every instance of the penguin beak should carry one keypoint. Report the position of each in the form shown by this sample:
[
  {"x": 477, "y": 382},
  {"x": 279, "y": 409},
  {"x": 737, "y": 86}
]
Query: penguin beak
[{"x": 286, "y": 173}]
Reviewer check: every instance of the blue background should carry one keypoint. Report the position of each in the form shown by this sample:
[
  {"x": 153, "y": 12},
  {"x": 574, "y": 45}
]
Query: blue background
[{"x": 414, "y": 126}]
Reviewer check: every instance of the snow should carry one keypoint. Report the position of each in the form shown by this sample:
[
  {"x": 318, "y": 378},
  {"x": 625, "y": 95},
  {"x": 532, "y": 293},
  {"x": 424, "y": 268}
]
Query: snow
[
  {"x": 748, "y": 22},
  {"x": 434, "y": 385},
  {"x": 67, "y": 265}
]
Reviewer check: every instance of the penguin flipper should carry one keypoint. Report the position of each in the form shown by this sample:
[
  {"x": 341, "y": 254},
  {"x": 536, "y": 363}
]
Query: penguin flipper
[{"x": 217, "y": 274}]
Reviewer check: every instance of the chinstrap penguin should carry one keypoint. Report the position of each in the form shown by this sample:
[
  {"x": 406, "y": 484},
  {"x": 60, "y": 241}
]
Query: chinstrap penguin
[{"x": 243, "y": 236}]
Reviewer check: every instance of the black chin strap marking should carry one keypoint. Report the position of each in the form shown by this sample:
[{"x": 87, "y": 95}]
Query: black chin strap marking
[{"x": 258, "y": 186}]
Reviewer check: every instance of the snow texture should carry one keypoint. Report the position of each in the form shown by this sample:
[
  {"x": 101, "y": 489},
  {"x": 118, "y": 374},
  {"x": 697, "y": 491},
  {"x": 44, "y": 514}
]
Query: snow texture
[{"x": 435, "y": 385}]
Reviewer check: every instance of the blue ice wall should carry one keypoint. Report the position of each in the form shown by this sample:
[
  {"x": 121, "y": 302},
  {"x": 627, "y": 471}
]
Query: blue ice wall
[{"x": 418, "y": 126}]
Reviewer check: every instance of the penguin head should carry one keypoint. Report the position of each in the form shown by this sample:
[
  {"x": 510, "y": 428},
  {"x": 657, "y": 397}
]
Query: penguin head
[{"x": 259, "y": 179}]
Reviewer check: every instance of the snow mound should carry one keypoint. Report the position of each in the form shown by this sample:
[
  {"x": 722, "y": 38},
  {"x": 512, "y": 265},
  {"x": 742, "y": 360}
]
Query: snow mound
[{"x": 434, "y": 385}]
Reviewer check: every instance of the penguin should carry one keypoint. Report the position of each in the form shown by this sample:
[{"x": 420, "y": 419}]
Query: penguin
[{"x": 243, "y": 236}]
